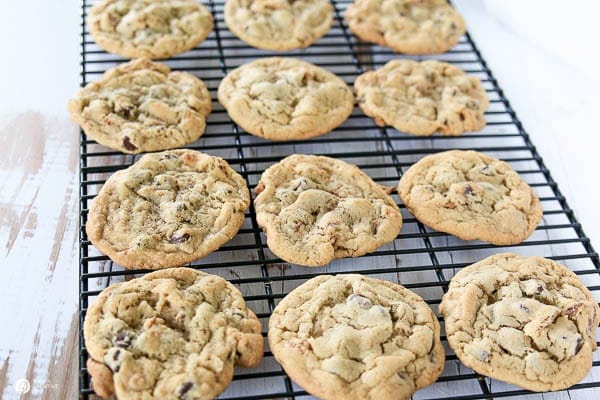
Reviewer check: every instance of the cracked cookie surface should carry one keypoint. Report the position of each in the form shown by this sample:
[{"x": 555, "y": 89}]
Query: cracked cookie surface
[
  {"x": 174, "y": 334},
  {"x": 422, "y": 98},
  {"x": 168, "y": 209},
  {"x": 316, "y": 209},
  {"x": 407, "y": 26},
  {"x": 149, "y": 28},
  {"x": 356, "y": 338},
  {"x": 472, "y": 196},
  {"x": 142, "y": 106},
  {"x": 279, "y": 24},
  {"x": 528, "y": 321},
  {"x": 285, "y": 99}
]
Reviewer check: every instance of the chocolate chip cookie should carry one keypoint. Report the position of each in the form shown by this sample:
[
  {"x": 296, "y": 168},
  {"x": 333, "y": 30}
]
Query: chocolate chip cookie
[
  {"x": 149, "y": 28},
  {"x": 170, "y": 335},
  {"x": 278, "y": 24},
  {"x": 316, "y": 209},
  {"x": 407, "y": 26},
  {"x": 422, "y": 98},
  {"x": 472, "y": 196},
  {"x": 524, "y": 320},
  {"x": 142, "y": 106},
  {"x": 285, "y": 99},
  {"x": 356, "y": 338},
  {"x": 167, "y": 209}
]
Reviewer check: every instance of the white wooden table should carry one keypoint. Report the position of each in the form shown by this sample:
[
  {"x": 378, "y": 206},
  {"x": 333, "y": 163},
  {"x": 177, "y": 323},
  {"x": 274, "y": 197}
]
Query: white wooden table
[{"x": 556, "y": 97}]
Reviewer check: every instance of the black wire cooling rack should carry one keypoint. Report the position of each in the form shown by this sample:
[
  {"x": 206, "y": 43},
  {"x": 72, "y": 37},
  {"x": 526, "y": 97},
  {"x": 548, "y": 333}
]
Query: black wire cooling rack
[{"x": 420, "y": 259}]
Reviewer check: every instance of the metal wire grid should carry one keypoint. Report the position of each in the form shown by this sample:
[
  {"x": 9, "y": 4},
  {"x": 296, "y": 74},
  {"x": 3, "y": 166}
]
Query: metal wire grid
[{"x": 420, "y": 259}]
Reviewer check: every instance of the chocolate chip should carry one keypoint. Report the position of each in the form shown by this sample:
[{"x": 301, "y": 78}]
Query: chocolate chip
[
  {"x": 363, "y": 302},
  {"x": 524, "y": 308},
  {"x": 128, "y": 145},
  {"x": 122, "y": 340},
  {"x": 468, "y": 190},
  {"x": 186, "y": 387},
  {"x": 374, "y": 227},
  {"x": 127, "y": 111},
  {"x": 539, "y": 289},
  {"x": 578, "y": 345},
  {"x": 114, "y": 362},
  {"x": 486, "y": 170},
  {"x": 301, "y": 184},
  {"x": 179, "y": 239}
]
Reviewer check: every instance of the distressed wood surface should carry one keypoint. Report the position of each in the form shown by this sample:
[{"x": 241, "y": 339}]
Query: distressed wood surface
[{"x": 38, "y": 234}]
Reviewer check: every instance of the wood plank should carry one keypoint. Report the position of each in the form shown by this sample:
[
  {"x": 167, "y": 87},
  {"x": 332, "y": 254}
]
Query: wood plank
[{"x": 38, "y": 235}]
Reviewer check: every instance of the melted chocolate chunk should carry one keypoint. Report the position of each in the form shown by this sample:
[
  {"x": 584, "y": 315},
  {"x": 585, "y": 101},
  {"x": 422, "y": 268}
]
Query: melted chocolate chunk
[
  {"x": 486, "y": 170},
  {"x": 114, "y": 362},
  {"x": 362, "y": 302},
  {"x": 179, "y": 239},
  {"x": 578, "y": 345},
  {"x": 539, "y": 289},
  {"x": 468, "y": 190},
  {"x": 128, "y": 145},
  {"x": 186, "y": 387},
  {"x": 122, "y": 340}
]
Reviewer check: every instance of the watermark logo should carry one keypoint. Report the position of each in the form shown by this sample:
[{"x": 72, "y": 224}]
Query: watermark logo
[{"x": 22, "y": 386}]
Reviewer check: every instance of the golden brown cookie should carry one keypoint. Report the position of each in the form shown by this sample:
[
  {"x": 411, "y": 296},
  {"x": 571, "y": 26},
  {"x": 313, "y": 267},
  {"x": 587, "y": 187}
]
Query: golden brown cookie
[
  {"x": 149, "y": 28},
  {"x": 316, "y": 209},
  {"x": 170, "y": 335},
  {"x": 167, "y": 209},
  {"x": 356, "y": 338},
  {"x": 278, "y": 24},
  {"x": 285, "y": 99},
  {"x": 142, "y": 106},
  {"x": 528, "y": 321},
  {"x": 472, "y": 196},
  {"x": 407, "y": 26},
  {"x": 422, "y": 98}
]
